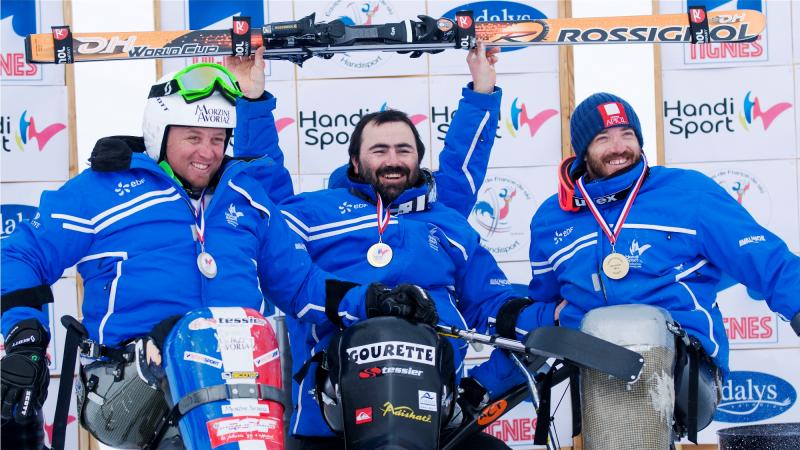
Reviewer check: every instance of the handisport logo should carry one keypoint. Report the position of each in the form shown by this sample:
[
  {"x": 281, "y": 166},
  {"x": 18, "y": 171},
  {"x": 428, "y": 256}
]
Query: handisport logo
[
  {"x": 497, "y": 12},
  {"x": 27, "y": 132},
  {"x": 753, "y": 396},
  {"x": 715, "y": 117},
  {"x": 518, "y": 118},
  {"x": 751, "y": 110}
]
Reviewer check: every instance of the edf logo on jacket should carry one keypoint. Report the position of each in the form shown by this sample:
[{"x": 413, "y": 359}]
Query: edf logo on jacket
[{"x": 753, "y": 396}]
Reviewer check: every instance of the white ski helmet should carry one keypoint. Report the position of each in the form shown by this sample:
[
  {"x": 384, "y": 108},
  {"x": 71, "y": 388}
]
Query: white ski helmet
[{"x": 214, "y": 111}]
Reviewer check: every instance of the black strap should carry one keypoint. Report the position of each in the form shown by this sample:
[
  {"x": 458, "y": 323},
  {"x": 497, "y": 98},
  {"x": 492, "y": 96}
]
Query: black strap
[
  {"x": 543, "y": 418},
  {"x": 76, "y": 333},
  {"x": 34, "y": 297},
  {"x": 164, "y": 89},
  {"x": 694, "y": 381},
  {"x": 506, "y": 320},
  {"x": 335, "y": 291},
  {"x": 301, "y": 374},
  {"x": 575, "y": 399}
]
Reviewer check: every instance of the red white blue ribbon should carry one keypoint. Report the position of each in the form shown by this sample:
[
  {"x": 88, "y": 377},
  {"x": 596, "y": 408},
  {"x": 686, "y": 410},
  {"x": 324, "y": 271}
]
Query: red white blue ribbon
[{"x": 626, "y": 208}]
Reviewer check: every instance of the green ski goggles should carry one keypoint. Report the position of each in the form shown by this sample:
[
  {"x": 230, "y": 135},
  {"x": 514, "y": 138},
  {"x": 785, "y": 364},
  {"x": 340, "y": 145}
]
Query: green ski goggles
[{"x": 199, "y": 81}]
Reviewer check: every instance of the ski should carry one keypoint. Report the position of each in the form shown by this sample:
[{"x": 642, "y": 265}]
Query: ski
[{"x": 299, "y": 40}]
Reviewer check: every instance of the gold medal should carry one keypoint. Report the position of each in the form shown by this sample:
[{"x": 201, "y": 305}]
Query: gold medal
[
  {"x": 207, "y": 265},
  {"x": 379, "y": 255},
  {"x": 615, "y": 266}
]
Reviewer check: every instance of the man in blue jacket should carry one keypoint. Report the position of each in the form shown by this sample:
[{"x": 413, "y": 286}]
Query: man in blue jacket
[
  {"x": 158, "y": 226},
  {"x": 385, "y": 229},
  {"x": 631, "y": 233}
]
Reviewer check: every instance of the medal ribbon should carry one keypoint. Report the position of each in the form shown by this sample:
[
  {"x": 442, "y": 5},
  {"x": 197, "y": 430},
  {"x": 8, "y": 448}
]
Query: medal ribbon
[
  {"x": 383, "y": 219},
  {"x": 201, "y": 225},
  {"x": 613, "y": 234}
]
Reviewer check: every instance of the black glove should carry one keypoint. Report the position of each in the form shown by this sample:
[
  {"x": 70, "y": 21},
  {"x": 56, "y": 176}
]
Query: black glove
[
  {"x": 160, "y": 332},
  {"x": 796, "y": 323},
  {"x": 24, "y": 373},
  {"x": 406, "y": 300}
]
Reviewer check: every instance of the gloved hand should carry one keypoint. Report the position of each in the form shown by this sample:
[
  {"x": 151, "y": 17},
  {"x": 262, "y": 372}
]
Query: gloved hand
[
  {"x": 405, "y": 300},
  {"x": 472, "y": 396},
  {"x": 24, "y": 373},
  {"x": 157, "y": 336},
  {"x": 796, "y": 323}
]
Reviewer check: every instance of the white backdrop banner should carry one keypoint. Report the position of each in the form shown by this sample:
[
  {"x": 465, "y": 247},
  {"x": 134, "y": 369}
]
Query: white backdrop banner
[
  {"x": 771, "y": 48},
  {"x": 729, "y": 114},
  {"x": 33, "y": 126},
  {"x": 21, "y": 18}
]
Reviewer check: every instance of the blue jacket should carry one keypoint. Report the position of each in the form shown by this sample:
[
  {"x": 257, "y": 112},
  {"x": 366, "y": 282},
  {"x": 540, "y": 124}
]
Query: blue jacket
[
  {"x": 682, "y": 232},
  {"x": 434, "y": 247},
  {"x": 130, "y": 231},
  {"x": 465, "y": 157}
]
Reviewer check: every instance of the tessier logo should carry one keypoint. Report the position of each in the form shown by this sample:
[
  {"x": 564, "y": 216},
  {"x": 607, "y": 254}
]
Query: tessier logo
[{"x": 753, "y": 396}]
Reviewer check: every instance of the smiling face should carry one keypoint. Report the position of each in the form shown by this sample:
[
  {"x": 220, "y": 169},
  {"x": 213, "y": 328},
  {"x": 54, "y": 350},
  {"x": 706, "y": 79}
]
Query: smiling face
[
  {"x": 612, "y": 150},
  {"x": 195, "y": 153},
  {"x": 388, "y": 158}
]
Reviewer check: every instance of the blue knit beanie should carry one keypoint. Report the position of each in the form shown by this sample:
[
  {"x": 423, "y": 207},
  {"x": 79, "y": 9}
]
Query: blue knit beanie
[{"x": 595, "y": 114}]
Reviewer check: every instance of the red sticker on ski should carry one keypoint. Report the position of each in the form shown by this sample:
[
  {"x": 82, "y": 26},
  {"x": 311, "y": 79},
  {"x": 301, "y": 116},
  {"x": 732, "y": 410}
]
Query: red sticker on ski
[
  {"x": 364, "y": 415},
  {"x": 697, "y": 15},
  {"x": 235, "y": 429}
]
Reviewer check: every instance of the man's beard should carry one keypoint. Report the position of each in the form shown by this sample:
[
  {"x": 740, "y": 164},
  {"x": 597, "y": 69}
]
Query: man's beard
[
  {"x": 389, "y": 193},
  {"x": 595, "y": 169}
]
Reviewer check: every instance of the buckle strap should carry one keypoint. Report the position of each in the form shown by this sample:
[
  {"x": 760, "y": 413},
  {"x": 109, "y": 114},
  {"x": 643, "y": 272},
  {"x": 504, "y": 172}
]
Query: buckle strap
[{"x": 212, "y": 394}]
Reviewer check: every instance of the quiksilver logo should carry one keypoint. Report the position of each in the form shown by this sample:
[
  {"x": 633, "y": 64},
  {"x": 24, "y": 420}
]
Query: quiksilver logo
[{"x": 754, "y": 396}]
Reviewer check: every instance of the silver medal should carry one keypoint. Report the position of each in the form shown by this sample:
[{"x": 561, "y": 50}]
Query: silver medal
[
  {"x": 379, "y": 255},
  {"x": 207, "y": 265}
]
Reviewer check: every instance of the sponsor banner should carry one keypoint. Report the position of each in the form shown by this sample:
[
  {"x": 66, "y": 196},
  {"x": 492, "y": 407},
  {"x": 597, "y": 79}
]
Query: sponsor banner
[
  {"x": 362, "y": 64},
  {"x": 506, "y": 203},
  {"x": 49, "y": 410},
  {"x": 767, "y": 189},
  {"x": 19, "y": 19},
  {"x": 758, "y": 390},
  {"x": 771, "y": 47},
  {"x": 19, "y": 202},
  {"x": 327, "y": 112},
  {"x": 517, "y": 426},
  {"x": 202, "y": 14},
  {"x": 33, "y": 129},
  {"x": 749, "y": 323},
  {"x": 543, "y": 58},
  {"x": 529, "y": 129},
  {"x": 726, "y": 115}
]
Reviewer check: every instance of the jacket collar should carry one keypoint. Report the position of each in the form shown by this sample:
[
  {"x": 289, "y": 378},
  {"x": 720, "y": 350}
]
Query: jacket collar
[
  {"x": 615, "y": 187},
  {"x": 418, "y": 198}
]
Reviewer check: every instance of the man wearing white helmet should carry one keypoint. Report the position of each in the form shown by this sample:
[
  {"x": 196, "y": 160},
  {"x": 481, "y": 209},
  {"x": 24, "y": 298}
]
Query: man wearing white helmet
[{"x": 157, "y": 226}]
